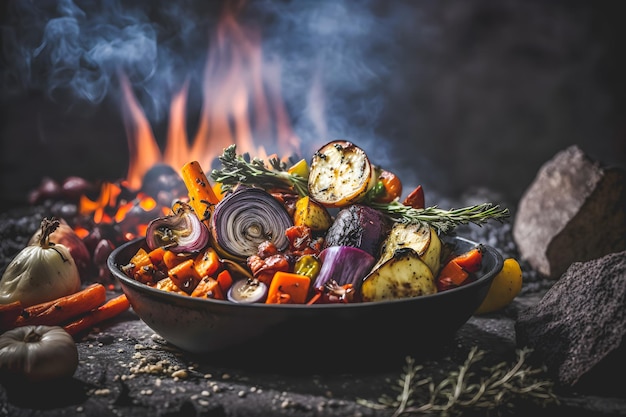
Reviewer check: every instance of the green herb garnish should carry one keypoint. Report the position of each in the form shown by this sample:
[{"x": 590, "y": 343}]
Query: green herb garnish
[{"x": 240, "y": 169}]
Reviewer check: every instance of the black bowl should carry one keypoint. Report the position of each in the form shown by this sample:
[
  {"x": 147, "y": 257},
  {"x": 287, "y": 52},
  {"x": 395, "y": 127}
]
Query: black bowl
[{"x": 286, "y": 333}]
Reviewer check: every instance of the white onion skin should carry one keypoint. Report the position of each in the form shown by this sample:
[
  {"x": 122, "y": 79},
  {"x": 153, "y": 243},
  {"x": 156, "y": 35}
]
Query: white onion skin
[
  {"x": 38, "y": 274},
  {"x": 66, "y": 236}
]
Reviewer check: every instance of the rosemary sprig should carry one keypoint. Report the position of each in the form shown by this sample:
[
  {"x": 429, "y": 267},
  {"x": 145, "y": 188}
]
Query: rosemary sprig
[
  {"x": 239, "y": 169},
  {"x": 464, "y": 389},
  {"x": 440, "y": 219}
]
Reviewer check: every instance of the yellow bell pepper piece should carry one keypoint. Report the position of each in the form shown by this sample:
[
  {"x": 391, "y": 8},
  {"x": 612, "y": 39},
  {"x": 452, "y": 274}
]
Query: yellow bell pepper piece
[
  {"x": 504, "y": 288},
  {"x": 300, "y": 168}
]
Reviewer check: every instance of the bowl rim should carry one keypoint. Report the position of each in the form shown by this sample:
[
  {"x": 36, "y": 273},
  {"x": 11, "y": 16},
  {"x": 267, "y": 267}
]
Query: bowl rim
[{"x": 486, "y": 278}]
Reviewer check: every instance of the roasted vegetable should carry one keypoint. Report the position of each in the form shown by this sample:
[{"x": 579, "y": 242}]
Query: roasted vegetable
[
  {"x": 311, "y": 214},
  {"x": 179, "y": 232},
  {"x": 308, "y": 265},
  {"x": 408, "y": 265},
  {"x": 388, "y": 187},
  {"x": 404, "y": 275},
  {"x": 201, "y": 195},
  {"x": 288, "y": 288},
  {"x": 247, "y": 291},
  {"x": 415, "y": 198},
  {"x": 247, "y": 217},
  {"x": 420, "y": 238},
  {"x": 340, "y": 174},
  {"x": 358, "y": 226},
  {"x": 40, "y": 272},
  {"x": 344, "y": 265}
]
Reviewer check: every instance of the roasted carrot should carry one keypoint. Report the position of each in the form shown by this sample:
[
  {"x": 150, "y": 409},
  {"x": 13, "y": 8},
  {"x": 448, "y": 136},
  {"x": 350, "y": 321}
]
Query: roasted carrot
[
  {"x": 9, "y": 313},
  {"x": 63, "y": 309},
  {"x": 106, "y": 311},
  {"x": 201, "y": 195},
  {"x": 287, "y": 287}
]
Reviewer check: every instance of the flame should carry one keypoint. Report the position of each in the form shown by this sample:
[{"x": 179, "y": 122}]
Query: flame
[{"x": 241, "y": 105}]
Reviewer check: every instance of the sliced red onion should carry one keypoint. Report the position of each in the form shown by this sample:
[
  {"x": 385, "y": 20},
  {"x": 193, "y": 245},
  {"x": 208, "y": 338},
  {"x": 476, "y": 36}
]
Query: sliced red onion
[
  {"x": 246, "y": 218},
  {"x": 179, "y": 232},
  {"x": 345, "y": 265}
]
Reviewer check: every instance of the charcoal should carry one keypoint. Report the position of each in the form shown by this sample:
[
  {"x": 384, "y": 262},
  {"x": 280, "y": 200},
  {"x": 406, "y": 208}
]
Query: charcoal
[
  {"x": 574, "y": 211},
  {"x": 578, "y": 327}
]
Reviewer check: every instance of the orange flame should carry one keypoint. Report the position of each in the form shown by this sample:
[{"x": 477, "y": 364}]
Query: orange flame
[{"x": 241, "y": 106}]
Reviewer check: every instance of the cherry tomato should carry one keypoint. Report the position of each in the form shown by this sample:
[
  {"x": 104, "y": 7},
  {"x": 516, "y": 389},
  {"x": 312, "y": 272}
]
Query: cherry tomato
[{"x": 391, "y": 187}]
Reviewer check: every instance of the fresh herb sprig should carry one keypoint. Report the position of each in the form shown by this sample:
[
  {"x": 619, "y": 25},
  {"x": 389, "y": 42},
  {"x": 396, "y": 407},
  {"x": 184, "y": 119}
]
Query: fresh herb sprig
[
  {"x": 241, "y": 169},
  {"x": 467, "y": 389},
  {"x": 443, "y": 220}
]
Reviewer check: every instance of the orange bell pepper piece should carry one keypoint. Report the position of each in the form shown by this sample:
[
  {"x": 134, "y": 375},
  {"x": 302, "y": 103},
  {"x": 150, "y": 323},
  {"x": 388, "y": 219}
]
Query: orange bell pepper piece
[
  {"x": 283, "y": 284},
  {"x": 471, "y": 260}
]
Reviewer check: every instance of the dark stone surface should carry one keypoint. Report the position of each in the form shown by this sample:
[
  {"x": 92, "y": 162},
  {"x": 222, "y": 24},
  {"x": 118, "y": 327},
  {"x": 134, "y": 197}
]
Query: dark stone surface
[
  {"x": 557, "y": 217},
  {"x": 573, "y": 341}
]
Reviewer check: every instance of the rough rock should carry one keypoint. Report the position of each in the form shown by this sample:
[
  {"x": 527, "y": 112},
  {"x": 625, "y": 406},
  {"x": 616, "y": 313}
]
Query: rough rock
[
  {"x": 578, "y": 327},
  {"x": 574, "y": 211}
]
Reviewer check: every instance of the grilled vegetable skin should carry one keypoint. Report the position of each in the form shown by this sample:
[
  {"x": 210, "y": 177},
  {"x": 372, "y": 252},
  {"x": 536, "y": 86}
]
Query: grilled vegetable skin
[
  {"x": 358, "y": 226},
  {"x": 404, "y": 275},
  {"x": 409, "y": 263},
  {"x": 340, "y": 174}
]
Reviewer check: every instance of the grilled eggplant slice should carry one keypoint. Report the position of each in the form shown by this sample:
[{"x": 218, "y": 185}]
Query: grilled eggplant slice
[
  {"x": 404, "y": 275},
  {"x": 409, "y": 263},
  {"x": 358, "y": 226},
  {"x": 420, "y": 238},
  {"x": 340, "y": 174}
]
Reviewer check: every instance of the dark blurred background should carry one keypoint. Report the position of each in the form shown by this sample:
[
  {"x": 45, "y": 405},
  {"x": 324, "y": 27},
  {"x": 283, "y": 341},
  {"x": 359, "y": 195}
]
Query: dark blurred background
[{"x": 451, "y": 95}]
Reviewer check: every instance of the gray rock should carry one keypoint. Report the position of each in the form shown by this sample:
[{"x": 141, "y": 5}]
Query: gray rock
[
  {"x": 578, "y": 327},
  {"x": 574, "y": 211}
]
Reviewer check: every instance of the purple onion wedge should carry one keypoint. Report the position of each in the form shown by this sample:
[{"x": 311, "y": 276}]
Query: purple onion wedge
[
  {"x": 345, "y": 265},
  {"x": 179, "y": 232}
]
